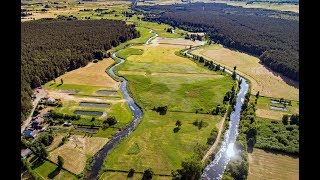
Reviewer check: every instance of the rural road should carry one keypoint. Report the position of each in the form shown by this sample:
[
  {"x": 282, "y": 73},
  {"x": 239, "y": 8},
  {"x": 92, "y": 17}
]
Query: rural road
[{"x": 42, "y": 93}]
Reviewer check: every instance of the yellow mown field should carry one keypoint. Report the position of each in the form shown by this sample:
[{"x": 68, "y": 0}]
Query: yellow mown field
[
  {"x": 76, "y": 151},
  {"x": 94, "y": 74},
  {"x": 269, "y": 84},
  {"x": 265, "y": 165}
]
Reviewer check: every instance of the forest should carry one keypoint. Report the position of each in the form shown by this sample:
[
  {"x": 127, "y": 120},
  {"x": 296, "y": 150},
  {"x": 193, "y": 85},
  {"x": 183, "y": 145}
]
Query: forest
[
  {"x": 273, "y": 36},
  {"x": 51, "y": 47}
]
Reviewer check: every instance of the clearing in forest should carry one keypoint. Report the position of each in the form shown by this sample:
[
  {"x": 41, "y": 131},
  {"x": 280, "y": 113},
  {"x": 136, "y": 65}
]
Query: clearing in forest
[
  {"x": 263, "y": 165},
  {"x": 262, "y": 79}
]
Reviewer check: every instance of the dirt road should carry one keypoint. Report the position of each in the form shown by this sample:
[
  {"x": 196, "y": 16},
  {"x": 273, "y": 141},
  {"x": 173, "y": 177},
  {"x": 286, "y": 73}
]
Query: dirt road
[{"x": 41, "y": 93}]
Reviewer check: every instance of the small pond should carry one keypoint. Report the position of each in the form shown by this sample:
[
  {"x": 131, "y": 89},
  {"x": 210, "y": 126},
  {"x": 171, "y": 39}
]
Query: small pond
[
  {"x": 278, "y": 102},
  {"x": 278, "y": 108},
  {"x": 93, "y": 104},
  {"x": 90, "y": 113},
  {"x": 89, "y": 130},
  {"x": 107, "y": 92}
]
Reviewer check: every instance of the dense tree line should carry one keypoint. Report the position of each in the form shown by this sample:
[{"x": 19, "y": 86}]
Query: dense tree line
[
  {"x": 49, "y": 48},
  {"x": 255, "y": 31}
]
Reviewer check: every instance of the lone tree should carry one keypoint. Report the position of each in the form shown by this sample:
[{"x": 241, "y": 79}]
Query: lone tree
[
  {"x": 178, "y": 123},
  {"x": 294, "y": 119},
  {"x": 234, "y": 68},
  {"x": 131, "y": 173},
  {"x": 43, "y": 151},
  {"x": 61, "y": 81},
  {"x": 111, "y": 120},
  {"x": 147, "y": 174},
  {"x": 285, "y": 119},
  {"x": 258, "y": 95},
  {"x": 93, "y": 119},
  {"x": 60, "y": 162},
  {"x": 234, "y": 75}
]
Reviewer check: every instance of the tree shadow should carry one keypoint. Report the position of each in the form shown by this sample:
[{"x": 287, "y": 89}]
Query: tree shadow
[
  {"x": 37, "y": 163},
  {"x": 33, "y": 159},
  {"x": 54, "y": 173},
  {"x": 250, "y": 149},
  {"x": 59, "y": 85},
  {"x": 287, "y": 80},
  {"x": 176, "y": 129}
]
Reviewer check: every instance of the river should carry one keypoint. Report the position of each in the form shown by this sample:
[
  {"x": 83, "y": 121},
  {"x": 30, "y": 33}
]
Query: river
[
  {"x": 216, "y": 168},
  {"x": 137, "y": 116}
]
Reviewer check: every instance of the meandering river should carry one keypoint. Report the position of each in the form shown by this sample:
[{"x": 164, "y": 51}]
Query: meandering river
[
  {"x": 215, "y": 169},
  {"x": 137, "y": 116}
]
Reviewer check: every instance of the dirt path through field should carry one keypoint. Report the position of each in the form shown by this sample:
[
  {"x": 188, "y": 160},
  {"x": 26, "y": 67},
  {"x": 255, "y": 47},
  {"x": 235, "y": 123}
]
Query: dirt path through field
[{"x": 216, "y": 142}]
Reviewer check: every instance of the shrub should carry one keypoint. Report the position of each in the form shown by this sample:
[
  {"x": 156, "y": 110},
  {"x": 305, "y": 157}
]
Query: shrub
[
  {"x": 60, "y": 162},
  {"x": 161, "y": 109},
  {"x": 147, "y": 174},
  {"x": 111, "y": 120},
  {"x": 131, "y": 173}
]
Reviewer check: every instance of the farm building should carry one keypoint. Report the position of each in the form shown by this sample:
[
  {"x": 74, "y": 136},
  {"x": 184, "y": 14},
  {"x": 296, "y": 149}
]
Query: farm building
[
  {"x": 51, "y": 100},
  {"x": 39, "y": 119},
  {"x": 25, "y": 153},
  {"x": 30, "y": 133},
  {"x": 67, "y": 123}
]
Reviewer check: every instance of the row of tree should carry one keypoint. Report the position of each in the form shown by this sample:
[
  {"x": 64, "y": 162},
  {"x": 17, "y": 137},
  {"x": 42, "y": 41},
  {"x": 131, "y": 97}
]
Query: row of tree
[
  {"x": 254, "y": 31},
  {"x": 51, "y": 47}
]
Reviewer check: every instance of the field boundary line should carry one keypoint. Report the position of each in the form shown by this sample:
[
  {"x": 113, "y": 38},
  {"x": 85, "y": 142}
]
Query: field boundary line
[{"x": 140, "y": 172}]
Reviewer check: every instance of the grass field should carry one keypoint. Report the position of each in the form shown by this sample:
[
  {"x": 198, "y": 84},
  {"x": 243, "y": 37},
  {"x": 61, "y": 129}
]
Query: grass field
[
  {"x": 47, "y": 171},
  {"x": 123, "y": 175},
  {"x": 118, "y": 109},
  {"x": 76, "y": 151},
  {"x": 158, "y": 146},
  {"x": 161, "y": 58},
  {"x": 264, "y": 165},
  {"x": 271, "y": 6},
  {"x": 125, "y": 53},
  {"x": 264, "y": 111},
  {"x": 269, "y": 84},
  {"x": 179, "y": 93}
]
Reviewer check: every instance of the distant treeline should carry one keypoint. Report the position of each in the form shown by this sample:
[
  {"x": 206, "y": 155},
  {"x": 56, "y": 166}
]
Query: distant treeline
[
  {"x": 49, "y": 48},
  {"x": 255, "y": 31}
]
